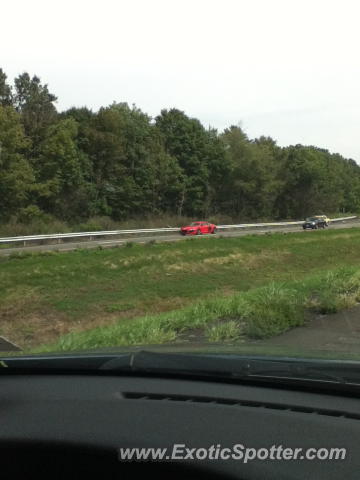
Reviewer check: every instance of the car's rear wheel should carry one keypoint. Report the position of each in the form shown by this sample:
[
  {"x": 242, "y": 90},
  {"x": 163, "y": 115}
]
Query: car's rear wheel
[
  {"x": 198, "y": 232},
  {"x": 214, "y": 230}
]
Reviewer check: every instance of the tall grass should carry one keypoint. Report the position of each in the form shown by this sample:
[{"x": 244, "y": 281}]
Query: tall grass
[{"x": 257, "y": 313}]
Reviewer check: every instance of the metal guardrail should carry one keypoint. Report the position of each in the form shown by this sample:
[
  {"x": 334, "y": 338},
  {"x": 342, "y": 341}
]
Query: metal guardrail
[
  {"x": 60, "y": 236},
  {"x": 280, "y": 224}
]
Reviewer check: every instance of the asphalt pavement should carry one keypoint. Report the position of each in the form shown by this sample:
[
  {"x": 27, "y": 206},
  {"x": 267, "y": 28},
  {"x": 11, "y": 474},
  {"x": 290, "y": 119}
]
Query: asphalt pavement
[{"x": 172, "y": 237}]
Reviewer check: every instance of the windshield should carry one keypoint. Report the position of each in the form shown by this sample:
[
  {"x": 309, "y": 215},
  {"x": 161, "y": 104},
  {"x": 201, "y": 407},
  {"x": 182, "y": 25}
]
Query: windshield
[{"x": 136, "y": 121}]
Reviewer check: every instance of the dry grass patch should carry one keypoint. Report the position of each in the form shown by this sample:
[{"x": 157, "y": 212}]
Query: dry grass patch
[
  {"x": 231, "y": 258},
  {"x": 245, "y": 260},
  {"x": 28, "y": 330},
  {"x": 17, "y": 301}
]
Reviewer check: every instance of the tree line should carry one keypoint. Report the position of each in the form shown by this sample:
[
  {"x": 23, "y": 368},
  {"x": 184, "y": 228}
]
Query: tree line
[{"x": 120, "y": 162}]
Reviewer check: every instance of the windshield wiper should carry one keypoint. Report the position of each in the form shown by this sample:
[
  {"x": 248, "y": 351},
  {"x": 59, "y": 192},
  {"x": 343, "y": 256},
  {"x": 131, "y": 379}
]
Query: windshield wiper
[
  {"x": 274, "y": 370},
  {"x": 242, "y": 367}
]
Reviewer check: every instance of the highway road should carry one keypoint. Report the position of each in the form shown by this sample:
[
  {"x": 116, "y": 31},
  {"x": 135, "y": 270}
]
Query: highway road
[{"x": 172, "y": 237}]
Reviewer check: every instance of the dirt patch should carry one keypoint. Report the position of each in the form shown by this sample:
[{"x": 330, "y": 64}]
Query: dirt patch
[
  {"x": 337, "y": 332},
  {"x": 192, "y": 335},
  {"x": 34, "y": 328}
]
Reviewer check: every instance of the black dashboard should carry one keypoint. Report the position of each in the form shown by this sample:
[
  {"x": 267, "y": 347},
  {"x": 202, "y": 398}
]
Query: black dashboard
[{"x": 72, "y": 426}]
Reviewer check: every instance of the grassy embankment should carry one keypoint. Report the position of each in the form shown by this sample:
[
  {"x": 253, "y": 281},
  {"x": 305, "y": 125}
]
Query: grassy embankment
[{"x": 221, "y": 289}]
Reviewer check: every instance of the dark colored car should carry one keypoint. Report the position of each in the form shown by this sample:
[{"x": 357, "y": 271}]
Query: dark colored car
[
  {"x": 198, "y": 228},
  {"x": 314, "y": 223}
]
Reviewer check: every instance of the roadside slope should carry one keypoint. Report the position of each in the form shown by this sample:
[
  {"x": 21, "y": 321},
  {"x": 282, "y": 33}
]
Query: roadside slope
[{"x": 48, "y": 295}]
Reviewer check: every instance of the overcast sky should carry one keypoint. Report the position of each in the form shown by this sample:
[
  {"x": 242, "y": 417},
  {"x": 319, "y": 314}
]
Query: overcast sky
[{"x": 285, "y": 68}]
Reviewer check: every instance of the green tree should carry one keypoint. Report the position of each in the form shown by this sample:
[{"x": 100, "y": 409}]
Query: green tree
[
  {"x": 62, "y": 173},
  {"x": 200, "y": 156},
  {"x": 16, "y": 175},
  {"x": 119, "y": 162},
  {"x": 131, "y": 172},
  {"x": 36, "y": 105},
  {"x": 313, "y": 182},
  {"x": 256, "y": 179},
  {"x": 5, "y": 90}
]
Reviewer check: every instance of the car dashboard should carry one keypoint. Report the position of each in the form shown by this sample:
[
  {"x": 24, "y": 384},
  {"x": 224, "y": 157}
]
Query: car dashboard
[{"x": 73, "y": 425}]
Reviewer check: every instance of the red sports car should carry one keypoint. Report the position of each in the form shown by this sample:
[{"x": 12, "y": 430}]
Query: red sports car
[{"x": 198, "y": 228}]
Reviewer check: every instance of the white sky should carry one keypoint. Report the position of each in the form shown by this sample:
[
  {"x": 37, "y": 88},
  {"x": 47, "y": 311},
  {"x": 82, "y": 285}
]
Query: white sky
[{"x": 285, "y": 68}]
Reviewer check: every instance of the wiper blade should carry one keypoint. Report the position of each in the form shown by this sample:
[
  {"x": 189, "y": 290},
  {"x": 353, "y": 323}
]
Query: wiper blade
[
  {"x": 236, "y": 365},
  {"x": 233, "y": 367},
  {"x": 272, "y": 371}
]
